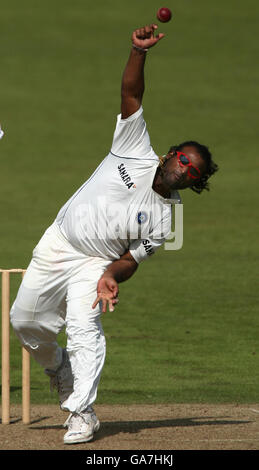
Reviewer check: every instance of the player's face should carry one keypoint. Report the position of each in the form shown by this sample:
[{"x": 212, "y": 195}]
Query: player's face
[{"x": 179, "y": 172}]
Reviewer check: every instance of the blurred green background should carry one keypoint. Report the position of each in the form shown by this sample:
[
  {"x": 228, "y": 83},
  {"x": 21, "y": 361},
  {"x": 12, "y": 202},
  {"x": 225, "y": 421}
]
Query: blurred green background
[{"x": 186, "y": 328}]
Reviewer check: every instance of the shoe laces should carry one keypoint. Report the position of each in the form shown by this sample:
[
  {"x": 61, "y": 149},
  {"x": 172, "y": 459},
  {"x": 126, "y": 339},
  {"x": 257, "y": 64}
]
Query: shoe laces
[
  {"x": 78, "y": 421},
  {"x": 86, "y": 418}
]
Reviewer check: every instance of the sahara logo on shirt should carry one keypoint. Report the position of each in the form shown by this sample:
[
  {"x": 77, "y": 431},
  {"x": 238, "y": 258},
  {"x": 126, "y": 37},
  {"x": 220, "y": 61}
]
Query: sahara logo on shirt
[
  {"x": 125, "y": 177},
  {"x": 148, "y": 247}
]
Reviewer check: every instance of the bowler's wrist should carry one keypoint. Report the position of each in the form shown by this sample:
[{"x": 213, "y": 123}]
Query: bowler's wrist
[
  {"x": 108, "y": 275},
  {"x": 139, "y": 49}
]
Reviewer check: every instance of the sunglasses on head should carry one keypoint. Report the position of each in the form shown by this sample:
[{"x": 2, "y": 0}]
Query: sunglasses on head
[{"x": 184, "y": 161}]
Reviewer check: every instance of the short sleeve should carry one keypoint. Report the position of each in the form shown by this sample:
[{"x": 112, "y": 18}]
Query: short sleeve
[
  {"x": 131, "y": 138},
  {"x": 143, "y": 249}
]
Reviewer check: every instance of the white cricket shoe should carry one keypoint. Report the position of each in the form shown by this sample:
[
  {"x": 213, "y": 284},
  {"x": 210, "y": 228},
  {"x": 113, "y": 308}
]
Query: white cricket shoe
[
  {"x": 81, "y": 427},
  {"x": 62, "y": 379},
  {"x": 89, "y": 409}
]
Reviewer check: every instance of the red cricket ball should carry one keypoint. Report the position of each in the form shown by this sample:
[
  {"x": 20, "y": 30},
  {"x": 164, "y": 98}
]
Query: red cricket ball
[{"x": 164, "y": 15}]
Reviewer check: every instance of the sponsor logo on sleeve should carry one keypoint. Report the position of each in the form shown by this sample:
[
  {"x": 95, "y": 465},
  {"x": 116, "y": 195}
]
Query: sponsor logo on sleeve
[{"x": 148, "y": 247}]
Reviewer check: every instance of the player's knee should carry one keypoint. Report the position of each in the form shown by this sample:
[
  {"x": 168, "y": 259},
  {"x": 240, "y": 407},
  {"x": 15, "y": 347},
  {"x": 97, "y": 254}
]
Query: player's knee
[{"x": 21, "y": 325}]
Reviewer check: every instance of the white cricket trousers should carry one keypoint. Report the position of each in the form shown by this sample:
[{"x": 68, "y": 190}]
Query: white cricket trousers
[{"x": 58, "y": 291}]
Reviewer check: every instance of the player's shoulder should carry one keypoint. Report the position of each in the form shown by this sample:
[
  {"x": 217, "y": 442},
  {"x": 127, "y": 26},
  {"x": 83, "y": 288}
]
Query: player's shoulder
[{"x": 132, "y": 117}]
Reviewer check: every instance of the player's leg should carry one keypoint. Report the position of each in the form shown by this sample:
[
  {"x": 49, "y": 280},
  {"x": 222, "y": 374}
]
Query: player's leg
[
  {"x": 38, "y": 312},
  {"x": 86, "y": 348},
  {"x": 37, "y": 316}
]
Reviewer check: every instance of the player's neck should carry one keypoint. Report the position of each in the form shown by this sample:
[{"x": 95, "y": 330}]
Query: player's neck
[{"x": 158, "y": 185}]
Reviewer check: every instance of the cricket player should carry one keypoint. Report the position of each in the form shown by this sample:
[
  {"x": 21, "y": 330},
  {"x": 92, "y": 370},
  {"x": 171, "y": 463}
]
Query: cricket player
[{"x": 118, "y": 218}]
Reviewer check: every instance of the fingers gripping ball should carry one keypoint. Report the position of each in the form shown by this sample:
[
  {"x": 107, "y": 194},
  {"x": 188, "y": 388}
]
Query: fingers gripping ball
[{"x": 164, "y": 15}]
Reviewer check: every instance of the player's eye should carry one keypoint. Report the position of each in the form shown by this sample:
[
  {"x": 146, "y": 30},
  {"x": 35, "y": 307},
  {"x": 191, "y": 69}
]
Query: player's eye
[
  {"x": 194, "y": 172},
  {"x": 184, "y": 160}
]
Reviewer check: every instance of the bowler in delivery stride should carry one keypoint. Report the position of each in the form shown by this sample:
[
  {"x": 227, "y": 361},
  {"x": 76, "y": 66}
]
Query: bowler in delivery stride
[{"x": 119, "y": 217}]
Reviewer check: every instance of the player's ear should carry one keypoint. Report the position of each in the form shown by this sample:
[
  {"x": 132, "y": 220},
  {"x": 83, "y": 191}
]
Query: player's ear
[{"x": 172, "y": 149}]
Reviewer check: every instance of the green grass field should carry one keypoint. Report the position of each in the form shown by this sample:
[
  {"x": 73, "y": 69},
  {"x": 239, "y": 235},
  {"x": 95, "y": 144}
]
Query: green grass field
[{"x": 186, "y": 328}]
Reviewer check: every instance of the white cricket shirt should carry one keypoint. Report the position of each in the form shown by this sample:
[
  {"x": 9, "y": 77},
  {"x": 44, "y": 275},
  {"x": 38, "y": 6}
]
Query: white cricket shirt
[{"x": 116, "y": 209}]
